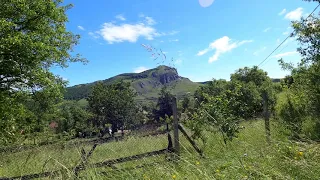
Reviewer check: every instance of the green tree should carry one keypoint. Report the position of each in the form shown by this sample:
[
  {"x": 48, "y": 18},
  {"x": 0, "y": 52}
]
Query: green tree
[
  {"x": 251, "y": 84},
  {"x": 164, "y": 104},
  {"x": 113, "y": 104},
  {"x": 254, "y": 75},
  {"x": 72, "y": 118},
  {"x": 33, "y": 39}
]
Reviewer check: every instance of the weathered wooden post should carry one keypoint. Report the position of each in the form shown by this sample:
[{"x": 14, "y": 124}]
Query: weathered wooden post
[
  {"x": 175, "y": 126},
  {"x": 266, "y": 115}
]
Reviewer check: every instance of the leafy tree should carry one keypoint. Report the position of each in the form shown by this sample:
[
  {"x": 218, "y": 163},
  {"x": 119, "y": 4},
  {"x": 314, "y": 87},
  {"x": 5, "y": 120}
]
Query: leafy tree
[
  {"x": 214, "y": 114},
  {"x": 33, "y": 39},
  {"x": 254, "y": 75},
  {"x": 72, "y": 118},
  {"x": 113, "y": 104},
  {"x": 212, "y": 88},
  {"x": 164, "y": 104},
  {"x": 254, "y": 82}
]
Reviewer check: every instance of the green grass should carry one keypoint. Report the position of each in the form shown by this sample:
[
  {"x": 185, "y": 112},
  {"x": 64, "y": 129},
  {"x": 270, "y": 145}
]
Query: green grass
[{"x": 247, "y": 157}]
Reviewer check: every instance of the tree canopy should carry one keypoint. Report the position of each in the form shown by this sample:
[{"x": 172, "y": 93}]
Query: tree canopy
[{"x": 33, "y": 39}]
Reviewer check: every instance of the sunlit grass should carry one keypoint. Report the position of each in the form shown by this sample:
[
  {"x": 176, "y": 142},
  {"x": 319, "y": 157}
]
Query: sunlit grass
[{"x": 247, "y": 157}]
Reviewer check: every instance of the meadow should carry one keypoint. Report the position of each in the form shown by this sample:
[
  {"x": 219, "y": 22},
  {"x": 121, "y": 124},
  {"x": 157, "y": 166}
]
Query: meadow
[{"x": 247, "y": 157}]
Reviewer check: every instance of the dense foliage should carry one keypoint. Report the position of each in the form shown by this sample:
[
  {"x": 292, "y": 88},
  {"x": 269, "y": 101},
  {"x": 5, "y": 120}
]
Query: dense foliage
[
  {"x": 300, "y": 105},
  {"x": 113, "y": 104},
  {"x": 33, "y": 39},
  {"x": 223, "y": 104}
]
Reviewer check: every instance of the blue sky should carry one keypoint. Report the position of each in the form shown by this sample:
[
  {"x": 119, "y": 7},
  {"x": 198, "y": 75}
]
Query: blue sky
[{"x": 204, "y": 42}]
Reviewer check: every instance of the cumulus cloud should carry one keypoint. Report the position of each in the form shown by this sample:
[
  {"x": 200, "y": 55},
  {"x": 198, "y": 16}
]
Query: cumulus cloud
[
  {"x": 126, "y": 32},
  {"x": 120, "y": 17},
  {"x": 295, "y": 14},
  {"x": 282, "y": 12},
  {"x": 81, "y": 28},
  {"x": 221, "y": 46},
  {"x": 115, "y": 33},
  {"x": 285, "y": 54},
  {"x": 140, "y": 69}
]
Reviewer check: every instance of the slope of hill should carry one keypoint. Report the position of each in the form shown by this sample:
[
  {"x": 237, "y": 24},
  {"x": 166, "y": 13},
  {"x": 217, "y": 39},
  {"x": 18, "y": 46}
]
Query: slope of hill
[{"x": 147, "y": 84}]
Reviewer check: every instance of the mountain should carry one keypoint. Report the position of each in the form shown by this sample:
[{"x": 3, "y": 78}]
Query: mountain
[{"x": 147, "y": 84}]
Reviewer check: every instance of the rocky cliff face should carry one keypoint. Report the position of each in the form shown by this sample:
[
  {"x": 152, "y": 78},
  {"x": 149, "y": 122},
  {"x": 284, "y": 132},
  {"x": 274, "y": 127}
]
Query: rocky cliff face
[{"x": 166, "y": 75}]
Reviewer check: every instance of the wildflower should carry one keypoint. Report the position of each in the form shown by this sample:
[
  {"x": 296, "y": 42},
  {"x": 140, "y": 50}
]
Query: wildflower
[
  {"x": 300, "y": 153},
  {"x": 197, "y": 163},
  {"x": 174, "y": 176}
]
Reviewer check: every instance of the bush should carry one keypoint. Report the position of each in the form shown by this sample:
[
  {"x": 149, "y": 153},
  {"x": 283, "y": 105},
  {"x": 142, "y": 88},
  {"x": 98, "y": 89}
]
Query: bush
[{"x": 291, "y": 111}]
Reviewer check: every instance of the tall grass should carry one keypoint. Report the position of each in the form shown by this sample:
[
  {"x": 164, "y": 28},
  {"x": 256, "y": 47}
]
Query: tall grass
[{"x": 246, "y": 157}]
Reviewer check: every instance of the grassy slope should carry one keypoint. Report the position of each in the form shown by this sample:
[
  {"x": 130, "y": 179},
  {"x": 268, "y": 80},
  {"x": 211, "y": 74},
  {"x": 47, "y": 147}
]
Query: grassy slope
[
  {"x": 146, "y": 84},
  {"x": 247, "y": 157}
]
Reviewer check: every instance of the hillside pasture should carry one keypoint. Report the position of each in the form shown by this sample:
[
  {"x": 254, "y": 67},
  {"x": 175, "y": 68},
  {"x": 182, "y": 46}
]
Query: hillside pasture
[{"x": 246, "y": 157}]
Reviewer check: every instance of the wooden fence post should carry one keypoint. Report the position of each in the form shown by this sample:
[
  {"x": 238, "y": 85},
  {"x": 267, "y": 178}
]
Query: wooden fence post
[
  {"x": 266, "y": 115},
  {"x": 175, "y": 126}
]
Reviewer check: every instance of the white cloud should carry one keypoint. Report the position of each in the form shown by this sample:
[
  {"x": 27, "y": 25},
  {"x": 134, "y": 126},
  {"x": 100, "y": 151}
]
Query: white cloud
[
  {"x": 120, "y": 17},
  {"x": 94, "y": 35},
  {"x": 114, "y": 32},
  {"x": 126, "y": 32},
  {"x": 81, "y": 28},
  {"x": 140, "y": 69},
  {"x": 285, "y": 54},
  {"x": 200, "y": 53},
  {"x": 222, "y": 45},
  {"x": 295, "y": 14},
  {"x": 150, "y": 20},
  {"x": 267, "y": 29},
  {"x": 282, "y": 12},
  {"x": 257, "y": 52}
]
